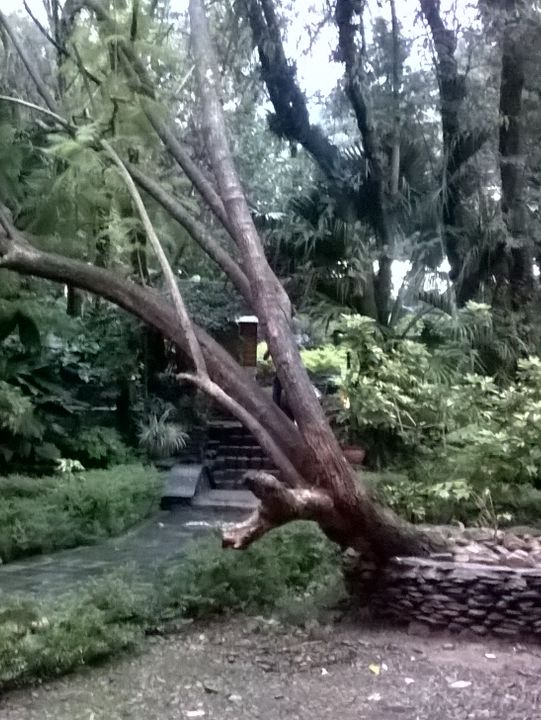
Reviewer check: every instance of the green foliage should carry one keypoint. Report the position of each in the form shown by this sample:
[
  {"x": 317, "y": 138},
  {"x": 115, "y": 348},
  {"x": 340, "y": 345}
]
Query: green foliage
[
  {"x": 326, "y": 359},
  {"x": 98, "y": 447},
  {"x": 504, "y": 445},
  {"x": 400, "y": 398},
  {"x": 293, "y": 572},
  {"x": 212, "y": 304},
  {"x": 44, "y": 514},
  {"x": 444, "y": 502},
  {"x": 285, "y": 565},
  {"x": 40, "y": 640},
  {"x": 54, "y": 369},
  {"x": 160, "y": 437}
]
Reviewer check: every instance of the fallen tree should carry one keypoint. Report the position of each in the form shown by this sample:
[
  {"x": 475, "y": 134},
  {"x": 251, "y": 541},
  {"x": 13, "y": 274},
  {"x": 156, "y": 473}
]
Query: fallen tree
[{"x": 316, "y": 483}]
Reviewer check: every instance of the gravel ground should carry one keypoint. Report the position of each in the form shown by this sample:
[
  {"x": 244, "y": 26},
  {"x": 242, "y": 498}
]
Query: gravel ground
[{"x": 246, "y": 669}]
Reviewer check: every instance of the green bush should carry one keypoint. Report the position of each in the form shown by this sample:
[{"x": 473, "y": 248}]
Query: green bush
[
  {"x": 402, "y": 398},
  {"x": 292, "y": 572},
  {"x": 44, "y": 514},
  {"x": 285, "y": 564},
  {"x": 326, "y": 359},
  {"x": 452, "y": 501},
  {"x": 98, "y": 447},
  {"x": 40, "y": 640},
  {"x": 505, "y": 445}
]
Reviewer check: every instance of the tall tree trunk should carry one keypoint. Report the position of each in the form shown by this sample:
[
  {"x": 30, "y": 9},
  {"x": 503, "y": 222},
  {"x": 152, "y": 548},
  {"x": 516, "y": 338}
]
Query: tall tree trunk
[
  {"x": 520, "y": 253},
  {"x": 459, "y": 146}
]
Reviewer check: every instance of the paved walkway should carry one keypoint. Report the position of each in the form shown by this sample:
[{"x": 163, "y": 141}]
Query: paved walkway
[{"x": 146, "y": 547}]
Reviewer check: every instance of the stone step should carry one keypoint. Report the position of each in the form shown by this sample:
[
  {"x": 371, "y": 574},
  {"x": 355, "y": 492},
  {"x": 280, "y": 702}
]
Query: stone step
[
  {"x": 242, "y": 462},
  {"x": 230, "y": 448},
  {"x": 232, "y": 478},
  {"x": 226, "y": 498}
]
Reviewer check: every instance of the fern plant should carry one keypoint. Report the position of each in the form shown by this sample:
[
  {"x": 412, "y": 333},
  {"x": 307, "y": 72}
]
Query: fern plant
[{"x": 160, "y": 437}]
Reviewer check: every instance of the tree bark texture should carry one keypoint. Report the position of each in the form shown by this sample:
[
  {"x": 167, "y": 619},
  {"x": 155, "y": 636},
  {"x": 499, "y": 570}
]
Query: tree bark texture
[
  {"x": 520, "y": 254},
  {"x": 458, "y": 147}
]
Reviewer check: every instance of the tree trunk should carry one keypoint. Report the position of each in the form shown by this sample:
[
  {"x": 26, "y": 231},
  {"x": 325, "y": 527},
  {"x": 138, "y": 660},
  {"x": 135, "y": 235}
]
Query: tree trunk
[
  {"x": 458, "y": 147},
  {"x": 512, "y": 165}
]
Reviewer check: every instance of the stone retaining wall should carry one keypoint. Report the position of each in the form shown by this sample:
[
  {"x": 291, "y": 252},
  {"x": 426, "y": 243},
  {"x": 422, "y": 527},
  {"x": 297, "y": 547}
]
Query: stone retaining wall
[{"x": 489, "y": 584}]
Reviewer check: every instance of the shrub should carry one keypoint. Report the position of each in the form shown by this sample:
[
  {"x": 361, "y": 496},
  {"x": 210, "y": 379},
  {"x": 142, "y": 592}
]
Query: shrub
[
  {"x": 326, "y": 359},
  {"x": 408, "y": 403},
  {"x": 290, "y": 570},
  {"x": 160, "y": 437},
  {"x": 285, "y": 564},
  {"x": 45, "y": 514},
  {"x": 98, "y": 447},
  {"x": 452, "y": 501},
  {"x": 40, "y": 640},
  {"x": 505, "y": 446}
]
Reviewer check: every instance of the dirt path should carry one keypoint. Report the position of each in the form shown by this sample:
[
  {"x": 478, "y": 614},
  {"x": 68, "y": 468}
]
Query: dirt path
[{"x": 243, "y": 669}]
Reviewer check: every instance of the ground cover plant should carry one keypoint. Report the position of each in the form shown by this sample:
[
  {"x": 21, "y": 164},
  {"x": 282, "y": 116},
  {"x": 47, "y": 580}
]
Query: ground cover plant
[
  {"x": 293, "y": 574},
  {"x": 68, "y": 509}
]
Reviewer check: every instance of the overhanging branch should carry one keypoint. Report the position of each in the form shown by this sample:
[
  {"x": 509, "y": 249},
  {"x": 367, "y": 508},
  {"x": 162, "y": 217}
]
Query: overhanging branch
[
  {"x": 197, "y": 230},
  {"x": 291, "y": 119},
  {"x": 147, "y": 305}
]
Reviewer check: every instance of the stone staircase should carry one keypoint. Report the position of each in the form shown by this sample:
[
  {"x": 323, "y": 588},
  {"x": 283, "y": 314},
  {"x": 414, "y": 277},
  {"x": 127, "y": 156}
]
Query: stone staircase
[{"x": 231, "y": 451}]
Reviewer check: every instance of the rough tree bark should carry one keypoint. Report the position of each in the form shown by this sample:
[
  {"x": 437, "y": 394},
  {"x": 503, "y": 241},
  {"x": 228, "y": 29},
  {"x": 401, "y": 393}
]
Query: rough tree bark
[
  {"x": 321, "y": 485},
  {"x": 520, "y": 253},
  {"x": 459, "y": 146}
]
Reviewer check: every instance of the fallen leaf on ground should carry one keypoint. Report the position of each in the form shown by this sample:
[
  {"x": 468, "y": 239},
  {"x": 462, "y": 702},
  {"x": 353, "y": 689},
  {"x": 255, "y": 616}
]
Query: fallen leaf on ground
[{"x": 460, "y": 684}]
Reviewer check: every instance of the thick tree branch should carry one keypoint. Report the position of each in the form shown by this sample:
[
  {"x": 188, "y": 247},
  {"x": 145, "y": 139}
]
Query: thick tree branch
[
  {"x": 147, "y": 305},
  {"x": 458, "y": 146},
  {"x": 279, "y": 505},
  {"x": 262, "y": 280},
  {"x": 520, "y": 254},
  {"x": 289, "y": 474},
  {"x": 345, "y": 13},
  {"x": 396, "y": 81},
  {"x": 291, "y": 119},
  {"x": 201, "y": 378},
  {"x": 197, "y": 230},
  {"x": 329, "y": 466},
  {"x": 177, "y": 151},
  {"x": 353, "y": 63}
]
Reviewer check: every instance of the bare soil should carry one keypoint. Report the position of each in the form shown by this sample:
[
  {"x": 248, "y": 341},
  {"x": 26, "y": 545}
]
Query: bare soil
[{"x": 244, "y": 669}]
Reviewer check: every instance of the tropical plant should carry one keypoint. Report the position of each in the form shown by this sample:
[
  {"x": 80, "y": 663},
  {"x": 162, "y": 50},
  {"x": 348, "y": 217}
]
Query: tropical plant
[{"x": 160, "y": 437}]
